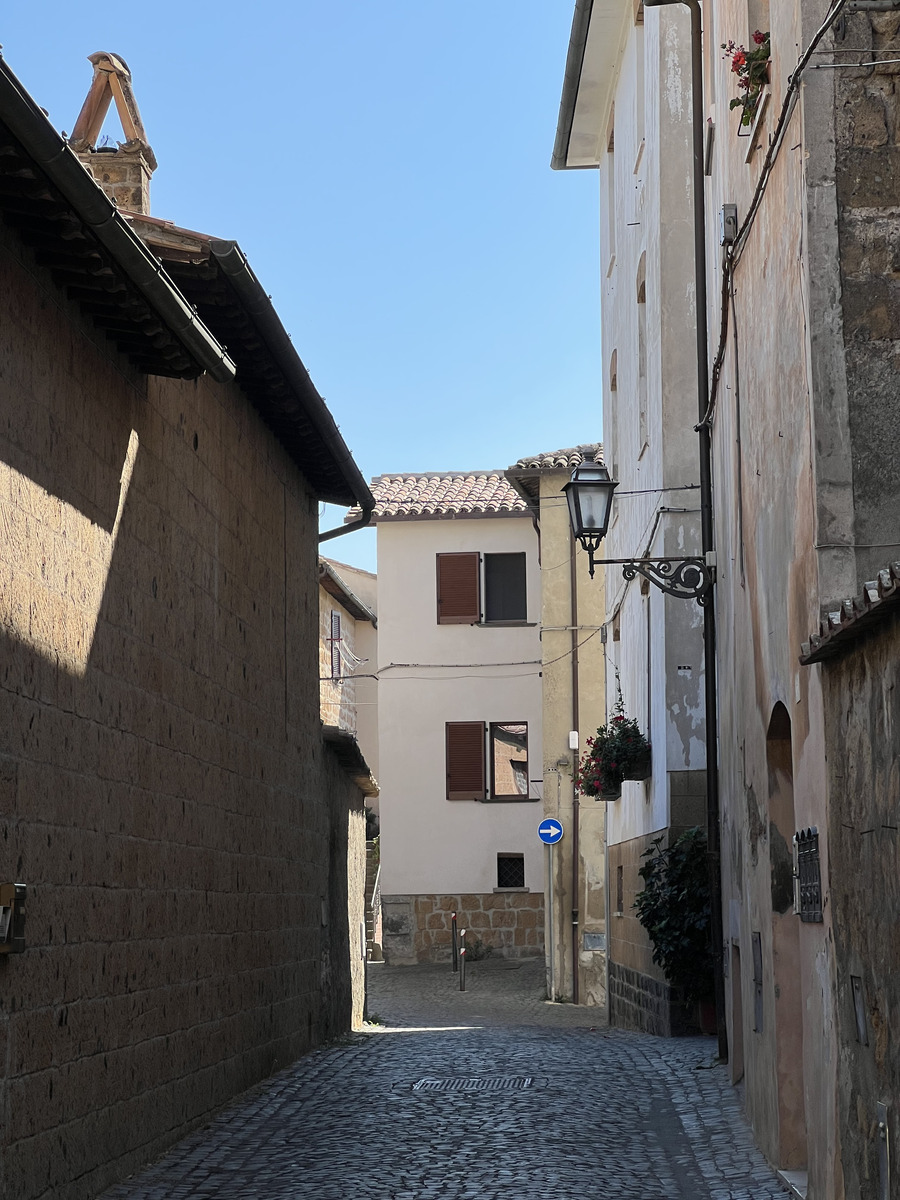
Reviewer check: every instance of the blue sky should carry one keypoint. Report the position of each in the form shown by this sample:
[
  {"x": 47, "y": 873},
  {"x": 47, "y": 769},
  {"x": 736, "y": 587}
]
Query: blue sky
[{"x": 385, "y": 167}]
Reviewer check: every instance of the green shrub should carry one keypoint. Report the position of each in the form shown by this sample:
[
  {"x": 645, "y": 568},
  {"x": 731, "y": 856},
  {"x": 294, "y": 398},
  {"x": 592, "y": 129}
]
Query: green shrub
[{"x": 674, "y": 908}]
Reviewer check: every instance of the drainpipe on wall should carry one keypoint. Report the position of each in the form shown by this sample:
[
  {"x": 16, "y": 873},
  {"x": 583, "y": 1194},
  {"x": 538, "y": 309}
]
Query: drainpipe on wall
[{"x": 576, "y": 807}]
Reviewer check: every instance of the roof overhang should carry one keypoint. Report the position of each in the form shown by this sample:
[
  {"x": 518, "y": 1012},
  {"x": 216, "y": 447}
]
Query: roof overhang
[
  {"x": 331, "y": 582},
  {"x": 350, "y": 758},
  {"x": 843, "y": 628},
  {"x": 595, "y": 47},
  {"x": 217, "y": 279},
  {"x": 74, "y": 230}
]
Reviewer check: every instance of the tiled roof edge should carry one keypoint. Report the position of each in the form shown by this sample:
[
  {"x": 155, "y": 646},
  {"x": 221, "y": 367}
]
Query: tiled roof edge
[{"x": 840, "y": 628}]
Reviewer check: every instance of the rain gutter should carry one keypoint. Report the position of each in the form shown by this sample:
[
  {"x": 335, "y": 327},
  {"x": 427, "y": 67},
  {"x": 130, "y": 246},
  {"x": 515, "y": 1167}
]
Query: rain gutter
[
  {"x": 234, "y": 266},
  {"x": 581, "y": 23}
]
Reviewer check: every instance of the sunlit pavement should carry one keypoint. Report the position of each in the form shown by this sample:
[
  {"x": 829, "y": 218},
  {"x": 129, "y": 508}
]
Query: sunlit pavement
[{"x": 488, "y": 1094}]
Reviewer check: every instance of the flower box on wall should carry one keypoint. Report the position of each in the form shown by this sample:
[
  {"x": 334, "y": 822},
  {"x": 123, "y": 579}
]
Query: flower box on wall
[{"x": 641, "y": 768}]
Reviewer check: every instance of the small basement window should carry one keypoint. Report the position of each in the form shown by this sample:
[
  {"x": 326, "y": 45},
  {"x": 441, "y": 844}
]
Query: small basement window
[{"x": 510, "y": 870}]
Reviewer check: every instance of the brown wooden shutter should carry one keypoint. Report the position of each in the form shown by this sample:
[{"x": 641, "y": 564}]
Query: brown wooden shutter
[
  {"x": 465, "y": 760},
  {"x": 458, "y": 593}
]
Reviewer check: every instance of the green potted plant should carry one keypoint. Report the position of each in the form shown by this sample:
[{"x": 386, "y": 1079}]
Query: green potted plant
[
  {"x": 752, "y": 70},
  {"x": 618, "y": 752}
]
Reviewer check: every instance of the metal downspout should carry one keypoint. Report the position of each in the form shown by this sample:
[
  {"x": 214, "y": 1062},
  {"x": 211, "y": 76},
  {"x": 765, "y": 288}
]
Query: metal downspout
[{"x": 576, "y": 805}]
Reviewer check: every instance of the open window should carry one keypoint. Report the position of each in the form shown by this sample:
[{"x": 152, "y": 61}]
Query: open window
[
  {"x": 478, "y": 755},
  {"x": 508, "y": 751},
  {"x": 460, "y": 588}
]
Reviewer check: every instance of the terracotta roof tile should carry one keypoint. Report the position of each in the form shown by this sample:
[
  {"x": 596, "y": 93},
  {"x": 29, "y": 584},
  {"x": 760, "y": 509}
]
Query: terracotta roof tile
[
  {"x": 878, "y": 599},
  {"x": 445, "y": 494},
  {"x": 566, "y": 460}
]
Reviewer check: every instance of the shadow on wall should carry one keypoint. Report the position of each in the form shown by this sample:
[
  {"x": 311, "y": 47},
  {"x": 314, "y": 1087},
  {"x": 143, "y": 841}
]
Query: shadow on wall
[{"x": 164, "y": 791}]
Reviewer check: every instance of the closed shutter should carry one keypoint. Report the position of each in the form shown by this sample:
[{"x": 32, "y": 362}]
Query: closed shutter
[
  {"x": 458, "y": 598},
  {"x": 465, "y": 760}
]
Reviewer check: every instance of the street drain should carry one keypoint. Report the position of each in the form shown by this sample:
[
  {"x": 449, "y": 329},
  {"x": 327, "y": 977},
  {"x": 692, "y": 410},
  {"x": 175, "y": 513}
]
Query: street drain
[{"x": 495, "y": 1083}]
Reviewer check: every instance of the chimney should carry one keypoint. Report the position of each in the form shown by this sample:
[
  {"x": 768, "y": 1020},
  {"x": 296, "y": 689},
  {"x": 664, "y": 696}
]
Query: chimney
[{"x": 123, "y": 171}]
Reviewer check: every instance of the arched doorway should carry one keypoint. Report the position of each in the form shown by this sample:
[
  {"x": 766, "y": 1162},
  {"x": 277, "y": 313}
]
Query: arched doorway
[{"x": 787, "y": 989}]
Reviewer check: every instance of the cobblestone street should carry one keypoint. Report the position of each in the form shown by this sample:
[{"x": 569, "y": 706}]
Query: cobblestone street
[{"x": 571, "y": 1110}]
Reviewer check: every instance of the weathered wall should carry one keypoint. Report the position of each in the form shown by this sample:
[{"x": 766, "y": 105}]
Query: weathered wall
[
  {"x": 574, "y": 697},
  {"x": 337, "y": 696},
  {"x": 649, "y": 312},
  {"x": 419, "y": 928},
  {"x": 867, "y": 177},
  {"x": 769, "y": 441},
  {"x": 365, "y": 585},
  {"x": 862, "y": 714},
  {"x": 165, "y": 795}
]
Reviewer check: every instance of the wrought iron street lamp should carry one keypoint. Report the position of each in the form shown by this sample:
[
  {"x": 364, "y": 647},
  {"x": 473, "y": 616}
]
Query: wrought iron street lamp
[{"x": 589, "y": 494}]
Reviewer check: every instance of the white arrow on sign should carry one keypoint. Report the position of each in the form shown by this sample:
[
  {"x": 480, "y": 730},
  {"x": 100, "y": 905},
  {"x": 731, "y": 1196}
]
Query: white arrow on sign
[{"x": 550, "y": 831}]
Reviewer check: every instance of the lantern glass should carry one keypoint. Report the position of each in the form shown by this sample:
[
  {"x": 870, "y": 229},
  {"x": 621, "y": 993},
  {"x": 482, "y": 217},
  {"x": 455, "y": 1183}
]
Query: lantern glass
[{"x": 589, "y": 494}]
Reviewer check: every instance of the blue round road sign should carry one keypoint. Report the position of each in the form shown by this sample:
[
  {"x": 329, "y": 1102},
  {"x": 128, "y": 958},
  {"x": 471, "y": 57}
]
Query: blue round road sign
[{"x": 550, "y": 831}]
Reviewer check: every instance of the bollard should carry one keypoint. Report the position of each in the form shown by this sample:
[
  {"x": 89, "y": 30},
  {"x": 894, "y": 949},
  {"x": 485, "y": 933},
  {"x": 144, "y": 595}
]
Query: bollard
[
  {"x": 462, "y": 960},
  {"x": 454, "y": 943}
]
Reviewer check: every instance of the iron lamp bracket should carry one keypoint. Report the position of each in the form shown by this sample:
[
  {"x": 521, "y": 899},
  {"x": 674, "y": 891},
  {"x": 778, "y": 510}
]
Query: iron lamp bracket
[{"x": 685, "y": 578}]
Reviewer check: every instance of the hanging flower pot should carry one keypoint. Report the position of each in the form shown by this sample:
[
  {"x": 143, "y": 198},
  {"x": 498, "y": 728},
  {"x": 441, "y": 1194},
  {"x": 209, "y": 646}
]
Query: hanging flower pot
[
  {"x": 752, "y": 70},
  {"x": 618, "y": 752},
  {"x": 641, "y": 767}
]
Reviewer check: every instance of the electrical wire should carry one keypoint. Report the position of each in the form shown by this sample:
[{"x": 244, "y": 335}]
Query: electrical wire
[
  {"x": 736, "y": 250},
  {"x": 533, "y": 662}
]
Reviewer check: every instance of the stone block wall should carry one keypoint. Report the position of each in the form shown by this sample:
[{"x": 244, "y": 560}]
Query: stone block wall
[
  {"x": 867, "y": 177},
  {"x": 164, "y": 790},
  {"x": 418, "y": 928},
  {"x": 640, "y": 1002}
]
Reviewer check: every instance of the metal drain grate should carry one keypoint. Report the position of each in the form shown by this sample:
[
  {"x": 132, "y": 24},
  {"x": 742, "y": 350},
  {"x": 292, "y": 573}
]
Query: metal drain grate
[{"x": 496, "y": 1083}]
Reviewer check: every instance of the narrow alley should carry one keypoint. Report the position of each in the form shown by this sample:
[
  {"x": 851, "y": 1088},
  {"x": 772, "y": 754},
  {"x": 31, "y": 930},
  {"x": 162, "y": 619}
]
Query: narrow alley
[{"x": 489, "y": 1093}]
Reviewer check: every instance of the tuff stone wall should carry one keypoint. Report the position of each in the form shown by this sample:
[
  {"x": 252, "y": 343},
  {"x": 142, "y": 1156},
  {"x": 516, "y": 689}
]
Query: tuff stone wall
[
  {"x": 862, "y": 714},
  {"x": 418, "y": 928},
  {"x": 164, "y": 791},
  {"x": 640, "y": 1002},
  {"x": 867, "y": 178}
]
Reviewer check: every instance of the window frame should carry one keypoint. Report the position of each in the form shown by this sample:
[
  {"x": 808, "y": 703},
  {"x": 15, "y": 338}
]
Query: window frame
[
  {"x": 462, "y": 591},
  {"x": 509, "y": 857},
  {"x": 487, "y": 589},
  {"x": 493, "y": 794}
]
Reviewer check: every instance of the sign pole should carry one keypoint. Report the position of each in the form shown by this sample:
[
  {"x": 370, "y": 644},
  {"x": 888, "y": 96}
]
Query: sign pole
[
  {"x": 550, "y": 922},
  {"x": 550, "y": 831}
]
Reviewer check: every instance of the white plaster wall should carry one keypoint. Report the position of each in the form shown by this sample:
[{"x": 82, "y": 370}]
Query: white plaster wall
[
  {"x": 659, "y": 649},
  {"x": 430, "y": 844}
]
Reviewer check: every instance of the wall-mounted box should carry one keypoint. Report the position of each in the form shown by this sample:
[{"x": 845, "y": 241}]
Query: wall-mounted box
[{"x": 12, "y": 918}]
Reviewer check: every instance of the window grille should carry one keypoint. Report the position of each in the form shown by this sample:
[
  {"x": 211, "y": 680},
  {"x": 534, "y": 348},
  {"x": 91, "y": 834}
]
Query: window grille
[
  {"x": 808, "y": 874},
  {"x": 510, "y": 870}
]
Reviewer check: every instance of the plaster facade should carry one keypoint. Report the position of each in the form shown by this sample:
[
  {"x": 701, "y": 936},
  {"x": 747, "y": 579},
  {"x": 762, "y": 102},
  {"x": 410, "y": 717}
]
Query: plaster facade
[
  {"x": 573, "y": 699},
  {"x": 431, "y": 674},
  {"x": 805, "y": 497},
  {"x": 654, "y": 642}
]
